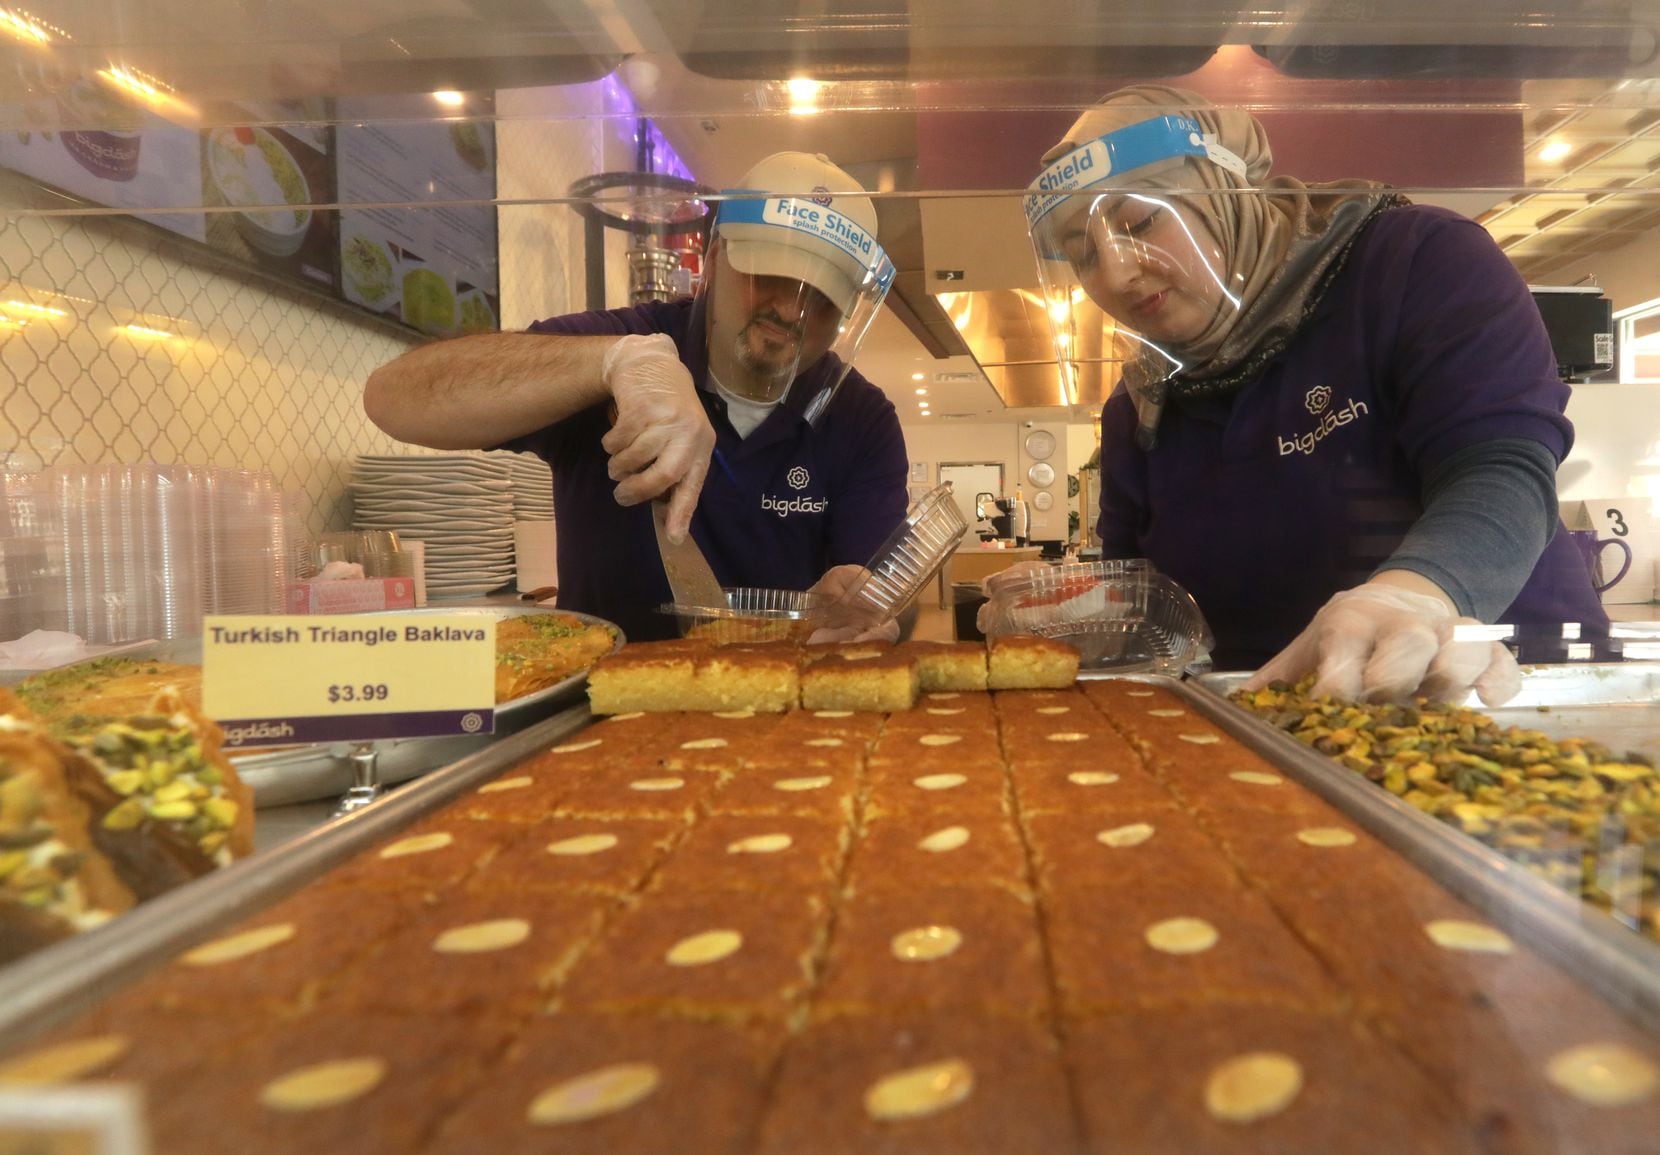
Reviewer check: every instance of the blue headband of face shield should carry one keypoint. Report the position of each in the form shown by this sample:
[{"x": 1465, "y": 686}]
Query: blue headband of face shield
[
  {"x": 811, "y": 219},
  {"x": 1123, "y": 150}
]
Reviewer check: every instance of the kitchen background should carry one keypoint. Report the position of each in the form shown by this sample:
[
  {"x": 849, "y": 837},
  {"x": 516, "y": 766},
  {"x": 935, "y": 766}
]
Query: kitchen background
[{"x": 119, "y": 342}]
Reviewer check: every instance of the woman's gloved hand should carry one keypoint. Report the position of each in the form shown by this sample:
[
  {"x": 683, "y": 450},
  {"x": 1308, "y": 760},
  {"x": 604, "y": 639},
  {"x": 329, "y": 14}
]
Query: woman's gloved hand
[
  {"x": 985, "y": 618},
  {"x": 1379, "y": 642},
  {"x": 850, "y": 626},
  {"x": 661, "y": 438}
]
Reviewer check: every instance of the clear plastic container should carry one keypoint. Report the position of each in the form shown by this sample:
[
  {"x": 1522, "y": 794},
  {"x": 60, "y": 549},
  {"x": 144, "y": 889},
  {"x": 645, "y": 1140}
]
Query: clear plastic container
[
  {"x": 913, "y": 554},
  {"x": 1123, "y": 616},
  {"x": 754, "y": 615}
]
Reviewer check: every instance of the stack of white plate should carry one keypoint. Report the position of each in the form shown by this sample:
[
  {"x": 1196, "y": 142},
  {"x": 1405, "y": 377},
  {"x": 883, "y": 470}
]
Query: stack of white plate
[
  {"x": 532, "y": 485},
  {"x": 460, "y": 505}
]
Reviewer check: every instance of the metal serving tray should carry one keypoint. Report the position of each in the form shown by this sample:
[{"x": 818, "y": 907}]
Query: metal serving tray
[
  {"x": 1619, "y": 964},
  {"x": 307, "y": 773},
  {"x": 55, "y": 984}
]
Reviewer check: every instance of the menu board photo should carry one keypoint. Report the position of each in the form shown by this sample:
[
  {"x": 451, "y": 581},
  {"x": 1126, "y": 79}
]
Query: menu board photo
[
  {"x": 425, "y": 252},
  {"x": 415, "y": 240}
]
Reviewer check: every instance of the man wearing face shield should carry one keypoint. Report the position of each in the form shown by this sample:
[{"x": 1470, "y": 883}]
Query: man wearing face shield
[
  {"x": 1339, "y": 418},
  {"x": 738, "y": 406}
]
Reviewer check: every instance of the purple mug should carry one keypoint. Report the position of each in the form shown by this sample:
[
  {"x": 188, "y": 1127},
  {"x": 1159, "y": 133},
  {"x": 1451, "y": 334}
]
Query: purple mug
[{"x": 1590, "y": 550}]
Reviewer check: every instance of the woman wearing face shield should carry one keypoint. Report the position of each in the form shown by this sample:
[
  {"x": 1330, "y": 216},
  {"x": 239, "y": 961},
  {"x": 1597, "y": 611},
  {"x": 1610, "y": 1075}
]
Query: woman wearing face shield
[
  {"x": 1339, "y": 418},
  {"x": 739, "y": 407}
]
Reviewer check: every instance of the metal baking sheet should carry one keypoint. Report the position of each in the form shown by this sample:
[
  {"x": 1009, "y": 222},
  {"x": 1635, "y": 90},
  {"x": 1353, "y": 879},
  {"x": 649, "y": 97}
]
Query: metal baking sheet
[
  {"x": 55, "y": 984},
  {"x": 307, "y": 773},
  {"x": 1619, "y": 964}
]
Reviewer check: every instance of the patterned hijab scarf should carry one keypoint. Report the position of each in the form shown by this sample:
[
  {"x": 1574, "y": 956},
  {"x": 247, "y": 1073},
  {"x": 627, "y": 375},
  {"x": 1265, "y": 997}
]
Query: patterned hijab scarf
[{"x": 1281, "y": 246}]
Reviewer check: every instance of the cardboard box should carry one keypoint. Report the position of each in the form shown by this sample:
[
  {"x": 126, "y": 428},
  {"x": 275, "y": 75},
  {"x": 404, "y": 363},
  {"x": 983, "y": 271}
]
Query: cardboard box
[{"x": 351, "y": 597}]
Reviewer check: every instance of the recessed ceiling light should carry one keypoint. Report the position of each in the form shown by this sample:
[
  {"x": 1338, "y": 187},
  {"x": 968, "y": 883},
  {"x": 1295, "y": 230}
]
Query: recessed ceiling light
[
  {"x": 921, "y": 392},
  {"x": 925, "y": 413},
  {"x": 1554, "y": 150},
  {"x": 919, "y": 376}
]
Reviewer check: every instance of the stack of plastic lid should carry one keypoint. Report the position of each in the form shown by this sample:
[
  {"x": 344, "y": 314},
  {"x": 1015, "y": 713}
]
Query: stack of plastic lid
[
  {"x": 913, "y": 554},
  {"x": 1120, "y": 615},
  {"x": 754, "y": 615}
]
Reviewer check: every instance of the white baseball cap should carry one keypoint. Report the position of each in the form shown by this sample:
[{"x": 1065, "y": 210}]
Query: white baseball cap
[{"x": 764, "y": 250}]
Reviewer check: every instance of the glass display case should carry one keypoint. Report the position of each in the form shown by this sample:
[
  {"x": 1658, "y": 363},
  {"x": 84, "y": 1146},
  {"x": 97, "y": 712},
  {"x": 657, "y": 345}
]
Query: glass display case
[{"x": 219, "y": 218}]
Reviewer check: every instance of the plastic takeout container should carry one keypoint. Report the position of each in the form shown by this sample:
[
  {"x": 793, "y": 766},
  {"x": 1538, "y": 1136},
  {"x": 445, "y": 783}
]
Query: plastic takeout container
[
  {"x": 914, "y": 552},
  {"x": 1123, "y": 616},
  {"x": 754, "y": 614}
]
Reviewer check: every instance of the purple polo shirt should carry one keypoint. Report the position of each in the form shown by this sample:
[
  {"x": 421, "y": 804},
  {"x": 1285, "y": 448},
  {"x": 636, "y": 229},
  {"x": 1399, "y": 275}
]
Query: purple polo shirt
[
  {"x": 793, "y": 500},
  {"x": 1265, "y": 504}
]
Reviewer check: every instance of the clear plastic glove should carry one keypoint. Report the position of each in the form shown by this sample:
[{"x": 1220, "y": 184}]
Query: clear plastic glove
[
  {"x": 1381, "y": 643},
  {"x": 661, "y": 438},
  {"x": 849, "y": 626}
]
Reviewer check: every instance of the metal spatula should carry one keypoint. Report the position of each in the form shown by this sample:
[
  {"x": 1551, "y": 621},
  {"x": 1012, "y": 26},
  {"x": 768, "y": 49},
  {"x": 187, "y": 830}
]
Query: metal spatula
[{"x": 690, "y": 578}]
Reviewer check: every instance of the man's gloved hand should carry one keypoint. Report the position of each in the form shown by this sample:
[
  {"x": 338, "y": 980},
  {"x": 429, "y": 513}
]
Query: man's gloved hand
[
  {"x": 661, "y": 437},
  {"x": 1379, "y": 642},
  {"x": 837, "y": 583}
]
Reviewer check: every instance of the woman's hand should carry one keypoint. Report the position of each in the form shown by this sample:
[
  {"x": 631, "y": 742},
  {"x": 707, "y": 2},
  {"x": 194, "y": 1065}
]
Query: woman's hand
[
  {"x": 661, "y": 438},
  {"x": 1380, "y": 642}
]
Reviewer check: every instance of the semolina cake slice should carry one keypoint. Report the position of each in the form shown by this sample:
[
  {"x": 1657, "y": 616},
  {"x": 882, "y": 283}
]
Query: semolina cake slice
[
  {"x": 970, "y": 949},
  {"x": 927, "y": 850},
  {"x": 856, "y": 728},
  {"x": 1177, "y": 941},
  {"x": 645, "y": 677},
  {"x": 646, "y": 1086},
  {"x": 1095, "y": 786},
  {"x": 276, "y": 962},
  {"x": 827, "y": 790},
  {"x": 1126, "y": 848},
  {"x": 731, "y": 955},
  {"x": 755, "y": 852},
  {"x": 488, "y": 954},
  {"x": 881, "y": 682},
  {"x": 764, "y": 678},
  {"x": 899, "y": 789},
  {"x": 927, "y": 1084},
  {"x": 644, "y": 792},
  {"x": 437, "y": 853},
  {"x": 129, "y": 1040},
  {"x": 607, "y": 856},
  {"x": 947, "y": 665},
  {"x": 512, "y": 796},
  {"x": 1026, "y": 662},
  {"x": 323, "y": 1083},
  {"x": 1233, "y": 1079}
]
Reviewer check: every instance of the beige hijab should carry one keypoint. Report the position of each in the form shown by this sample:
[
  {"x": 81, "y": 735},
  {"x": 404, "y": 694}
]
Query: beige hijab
[{"x": 1281, "y": 247}]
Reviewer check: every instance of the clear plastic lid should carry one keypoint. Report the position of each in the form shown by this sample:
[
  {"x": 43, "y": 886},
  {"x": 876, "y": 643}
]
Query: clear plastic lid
[
  {"x": 907, "y": 561},
  {"x": 1120, "y": 615}
]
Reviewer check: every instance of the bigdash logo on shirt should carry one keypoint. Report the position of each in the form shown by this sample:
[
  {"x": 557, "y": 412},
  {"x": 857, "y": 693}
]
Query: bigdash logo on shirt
[
  {"x": 1326, "y": 419},
  {"x": 784, "y": 506}
]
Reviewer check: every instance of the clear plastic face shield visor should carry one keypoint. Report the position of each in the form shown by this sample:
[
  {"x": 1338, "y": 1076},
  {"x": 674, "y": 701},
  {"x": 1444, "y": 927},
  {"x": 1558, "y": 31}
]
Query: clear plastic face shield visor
[
  {"x": 789, "y": 280},
  {"x": 1129, "y": 273}
]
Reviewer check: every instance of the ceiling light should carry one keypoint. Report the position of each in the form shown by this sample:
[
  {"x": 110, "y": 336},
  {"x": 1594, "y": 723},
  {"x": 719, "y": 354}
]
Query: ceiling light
[
  {"x": 803, "y": 92},
  {"x": 28, "y": 29},
  {"x": 145, "y": 331},
  {"x": 1554, "y": 150},
  {"x": 925, "y": 413},
  {"x": 31, "y": 309},
  {"x": 922, "y": 404},
  {"x": 449, "y": 98},
  {"x": 922, "y": 392},
  {"x": 919, "y": 376}
]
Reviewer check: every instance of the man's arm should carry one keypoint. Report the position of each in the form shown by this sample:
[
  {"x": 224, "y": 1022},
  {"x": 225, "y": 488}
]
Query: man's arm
[{"x": 479, "y": 391}]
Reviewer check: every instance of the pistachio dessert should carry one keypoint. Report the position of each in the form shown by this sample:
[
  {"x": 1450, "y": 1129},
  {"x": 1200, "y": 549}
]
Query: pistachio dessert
[
  {"x": 1568, "y": 809},
  {"x": 53, "y": 882},
  {"x": 166, "y": 805}
]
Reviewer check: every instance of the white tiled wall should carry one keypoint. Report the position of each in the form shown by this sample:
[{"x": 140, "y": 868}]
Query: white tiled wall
[{"x": 252, "y": 375}]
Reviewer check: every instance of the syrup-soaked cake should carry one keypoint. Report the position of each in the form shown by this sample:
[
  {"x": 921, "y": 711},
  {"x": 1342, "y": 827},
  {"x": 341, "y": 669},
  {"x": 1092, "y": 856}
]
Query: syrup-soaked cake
[
  {"x": 882, "y": 682},
  {"x": 1025, "y": 662},
  {"x": 947, "y": 665},
  {"x": 833, "y": 930}
]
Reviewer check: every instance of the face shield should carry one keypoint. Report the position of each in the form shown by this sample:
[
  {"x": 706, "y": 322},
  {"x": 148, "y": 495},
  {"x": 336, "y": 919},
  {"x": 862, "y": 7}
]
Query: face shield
[
  {"x": 789, "y": 280},
  {"x": 1131, "y": 274}
]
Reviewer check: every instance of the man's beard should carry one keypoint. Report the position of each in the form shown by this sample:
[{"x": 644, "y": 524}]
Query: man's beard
[{"x": 771, "y": 359}]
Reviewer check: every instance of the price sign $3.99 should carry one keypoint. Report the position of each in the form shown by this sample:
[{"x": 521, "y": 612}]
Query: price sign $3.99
[{"x": 367, "y": 692}]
